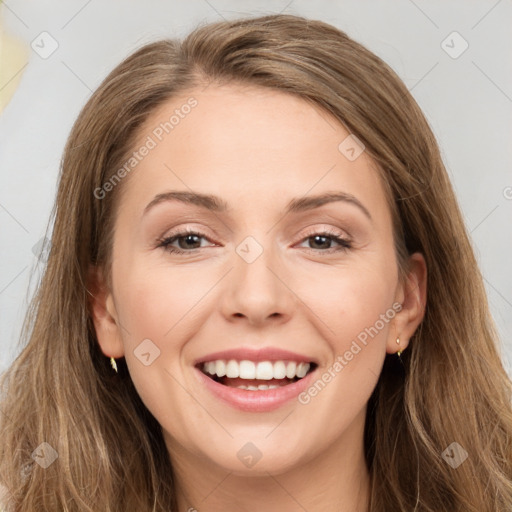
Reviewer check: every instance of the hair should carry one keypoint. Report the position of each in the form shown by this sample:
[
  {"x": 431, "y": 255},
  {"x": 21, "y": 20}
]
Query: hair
[{"x": 450, "y": 387}]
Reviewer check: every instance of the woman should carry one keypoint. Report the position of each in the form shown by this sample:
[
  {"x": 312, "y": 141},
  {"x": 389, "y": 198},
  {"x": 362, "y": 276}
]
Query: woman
[{"x": 325, "y": 345}]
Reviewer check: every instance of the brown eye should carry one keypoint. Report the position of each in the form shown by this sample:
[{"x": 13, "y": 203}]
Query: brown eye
[
  {"x": 323, "y": 242},
  {"x": 188, "y": 241}
]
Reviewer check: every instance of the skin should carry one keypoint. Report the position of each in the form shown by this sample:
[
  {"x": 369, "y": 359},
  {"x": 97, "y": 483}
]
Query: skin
[{"x": 256, "y": 149}]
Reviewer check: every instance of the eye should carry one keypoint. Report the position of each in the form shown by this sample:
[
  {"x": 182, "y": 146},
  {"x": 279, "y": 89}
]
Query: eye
[
  {"x": 189, "y": 241},
  {"x": 324, "y": 239},
  {"x": 185, "y": 239}
]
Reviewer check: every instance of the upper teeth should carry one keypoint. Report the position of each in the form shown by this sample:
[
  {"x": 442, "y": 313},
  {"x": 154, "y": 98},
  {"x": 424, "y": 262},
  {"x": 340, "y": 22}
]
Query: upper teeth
[{"x": 264, "y": 370}]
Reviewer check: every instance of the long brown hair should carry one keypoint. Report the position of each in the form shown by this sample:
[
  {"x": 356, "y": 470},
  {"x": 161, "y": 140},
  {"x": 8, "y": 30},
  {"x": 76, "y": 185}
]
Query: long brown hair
[{"x": 452, "y": 386}]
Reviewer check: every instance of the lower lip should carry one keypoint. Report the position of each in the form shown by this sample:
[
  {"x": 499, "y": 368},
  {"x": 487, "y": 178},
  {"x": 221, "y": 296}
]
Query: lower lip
[{"x": 255, "y": 401}]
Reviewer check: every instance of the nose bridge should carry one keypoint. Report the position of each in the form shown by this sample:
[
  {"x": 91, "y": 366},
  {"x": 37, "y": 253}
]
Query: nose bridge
[
  {"x": 256, "y": 287},
  {"x": 255, "y": 258}
]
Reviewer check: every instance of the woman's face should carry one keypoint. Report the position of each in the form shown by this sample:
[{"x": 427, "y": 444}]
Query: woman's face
[{"x": 262, "y": 280}]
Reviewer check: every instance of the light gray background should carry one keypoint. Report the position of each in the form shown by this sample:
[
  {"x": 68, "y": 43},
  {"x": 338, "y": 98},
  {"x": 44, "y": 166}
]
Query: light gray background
[{"x": 467, "y": 100}]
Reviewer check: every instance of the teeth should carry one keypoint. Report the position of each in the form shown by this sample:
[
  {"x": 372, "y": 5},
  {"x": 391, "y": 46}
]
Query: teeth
[
  {"x": 302, "y": 370},
  {"x": 232, "y": 369},
  {"x": 290, "y": 369},
  {"x": 279, "y": 370},
  {"x": 263, "y": 370},
  {"x": 219, "y": 367},
  {"x": 261, "y": 387},
  {"x": 247, "y": 369}
]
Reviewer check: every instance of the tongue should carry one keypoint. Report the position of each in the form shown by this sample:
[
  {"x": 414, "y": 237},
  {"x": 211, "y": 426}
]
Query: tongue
[{"x": 254, "y": 382}]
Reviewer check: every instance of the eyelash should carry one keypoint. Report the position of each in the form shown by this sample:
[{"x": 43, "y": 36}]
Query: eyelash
[{"x": 344, "y": 244}]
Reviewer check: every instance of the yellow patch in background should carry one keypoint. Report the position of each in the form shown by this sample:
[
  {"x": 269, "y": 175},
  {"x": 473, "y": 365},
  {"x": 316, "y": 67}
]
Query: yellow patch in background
[{"x": 14, "y": 55}]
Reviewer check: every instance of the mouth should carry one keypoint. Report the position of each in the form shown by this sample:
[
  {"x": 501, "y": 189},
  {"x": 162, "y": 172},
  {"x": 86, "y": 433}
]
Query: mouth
[{"x": 256, "y": 375}]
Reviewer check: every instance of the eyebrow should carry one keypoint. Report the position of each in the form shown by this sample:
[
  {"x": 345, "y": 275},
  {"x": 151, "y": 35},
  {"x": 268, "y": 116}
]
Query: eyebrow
[{"x": 216, "y": 204}]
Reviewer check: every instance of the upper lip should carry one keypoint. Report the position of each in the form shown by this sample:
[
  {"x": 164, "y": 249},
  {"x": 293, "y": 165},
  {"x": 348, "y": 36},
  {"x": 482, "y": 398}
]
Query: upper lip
[{"x": 256, "y": 354}]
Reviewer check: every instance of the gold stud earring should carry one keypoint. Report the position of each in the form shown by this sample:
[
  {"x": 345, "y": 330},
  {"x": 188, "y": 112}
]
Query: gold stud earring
[
  {"x": 113, "y": 364},
  {"x": 399, "y": 351}
]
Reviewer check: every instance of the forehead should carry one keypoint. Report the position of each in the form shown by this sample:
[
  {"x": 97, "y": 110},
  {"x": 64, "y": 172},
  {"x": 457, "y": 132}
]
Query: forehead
[{"x": 254, "y": 144}]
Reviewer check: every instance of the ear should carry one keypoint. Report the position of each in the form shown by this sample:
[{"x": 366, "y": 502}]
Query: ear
[
  {"x": 412, "y": 294},
  {"x": 104, "y": 315}
]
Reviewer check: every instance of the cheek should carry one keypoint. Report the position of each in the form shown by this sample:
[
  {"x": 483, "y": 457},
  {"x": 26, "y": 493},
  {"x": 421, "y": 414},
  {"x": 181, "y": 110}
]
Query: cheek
[
  {"x": 354, "y": 305},
  {"x": 351, "y": 300},
  {"x": 158, "y": 301},
  {"x": 159, "y": 310},
  {"x": 347, "y": 306}
]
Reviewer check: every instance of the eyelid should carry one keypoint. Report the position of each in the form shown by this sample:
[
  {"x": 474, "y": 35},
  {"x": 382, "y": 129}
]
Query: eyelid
[
  {"x": 343, "y": 241},
  {"x": 186, "y": 229},
  {"x": 180, "y": 233},
  {"x": 328, "y": 229},
  {"x": 312, "y": 230}
]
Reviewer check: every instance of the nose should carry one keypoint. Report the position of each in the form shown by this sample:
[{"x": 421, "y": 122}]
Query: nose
[{"x": 258, "y": 292}]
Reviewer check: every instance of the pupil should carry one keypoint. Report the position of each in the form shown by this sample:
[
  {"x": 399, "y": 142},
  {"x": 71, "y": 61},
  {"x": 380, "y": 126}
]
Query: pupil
[
  {"x": 187, "y": 239},
  {"x": 318, "y": 237}
]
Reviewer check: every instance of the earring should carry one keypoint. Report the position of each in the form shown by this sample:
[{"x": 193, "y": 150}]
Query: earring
[
  {"x": 113, "y": 364},
  {"x": 399, "y": 351}
]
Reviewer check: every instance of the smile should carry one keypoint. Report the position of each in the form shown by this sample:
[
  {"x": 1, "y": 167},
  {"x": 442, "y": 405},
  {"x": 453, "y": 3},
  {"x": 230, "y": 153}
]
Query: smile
[
  {"x": 255, "y": 380},
  {"x": 254, "y": 376}
]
